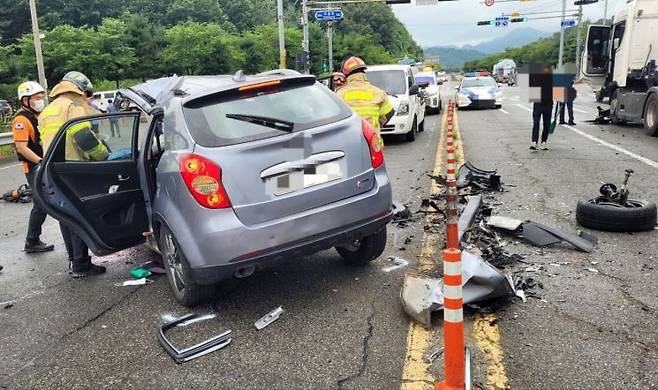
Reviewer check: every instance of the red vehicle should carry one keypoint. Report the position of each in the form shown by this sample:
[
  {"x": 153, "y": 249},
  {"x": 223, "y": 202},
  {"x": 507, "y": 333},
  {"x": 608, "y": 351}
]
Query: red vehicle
[{"x": 483, "y": 73}]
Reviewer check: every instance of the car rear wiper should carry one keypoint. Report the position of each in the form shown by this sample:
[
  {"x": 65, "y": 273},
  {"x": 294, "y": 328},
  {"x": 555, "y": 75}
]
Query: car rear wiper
[{"x": 274, "y": 123}]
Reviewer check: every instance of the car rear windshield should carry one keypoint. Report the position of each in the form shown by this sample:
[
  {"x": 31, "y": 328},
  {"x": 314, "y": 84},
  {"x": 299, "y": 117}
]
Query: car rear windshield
[
  {"x": 479, "y": 82},
  {"x": 394, "y": 82},
  {"x": 303, "y": 107}
]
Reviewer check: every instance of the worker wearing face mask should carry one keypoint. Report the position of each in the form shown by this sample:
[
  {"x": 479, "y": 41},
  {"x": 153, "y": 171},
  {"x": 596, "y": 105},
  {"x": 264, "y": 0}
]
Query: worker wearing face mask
[{"x": 25, "y": 130}]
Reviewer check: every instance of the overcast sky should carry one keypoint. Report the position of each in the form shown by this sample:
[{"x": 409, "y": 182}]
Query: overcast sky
[{"x": 453, "y": 22}]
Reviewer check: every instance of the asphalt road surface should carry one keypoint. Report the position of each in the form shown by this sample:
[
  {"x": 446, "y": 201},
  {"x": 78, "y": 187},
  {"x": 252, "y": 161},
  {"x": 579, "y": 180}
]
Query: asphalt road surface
[{"x": 343, "y": 327}]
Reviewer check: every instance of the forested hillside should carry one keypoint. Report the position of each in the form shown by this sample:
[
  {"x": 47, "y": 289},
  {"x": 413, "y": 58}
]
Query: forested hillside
[{"x": 121, "y": 40}]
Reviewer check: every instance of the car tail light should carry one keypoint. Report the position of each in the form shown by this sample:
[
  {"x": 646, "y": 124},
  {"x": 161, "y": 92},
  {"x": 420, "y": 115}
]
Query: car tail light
[
  {"x": 204, "y": 180},
  {"x": 375, "y": 144}
]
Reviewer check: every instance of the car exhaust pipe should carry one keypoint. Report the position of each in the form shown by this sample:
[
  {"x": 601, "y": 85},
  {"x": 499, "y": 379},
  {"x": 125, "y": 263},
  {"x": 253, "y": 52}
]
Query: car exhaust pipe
[{"x": 245, "y": 272}]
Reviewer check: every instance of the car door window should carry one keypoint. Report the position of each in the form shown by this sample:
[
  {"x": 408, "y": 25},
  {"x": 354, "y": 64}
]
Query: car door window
[{"x": 103, "y": 138}]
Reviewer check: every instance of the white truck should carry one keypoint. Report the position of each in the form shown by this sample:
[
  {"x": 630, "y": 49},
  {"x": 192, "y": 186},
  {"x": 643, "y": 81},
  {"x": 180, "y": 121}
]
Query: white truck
[
  {"x": 404, "y": 94},
  {"x": 619, "y": 62}
]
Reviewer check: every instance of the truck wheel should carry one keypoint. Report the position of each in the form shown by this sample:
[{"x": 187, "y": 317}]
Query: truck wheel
[
  {"x": 365, "y": 250},
  {"x": 651, "y": 115},
  {"x": 411, "y": 135},
  {"x": 179, "y": 276},
  {"x": 614, "y": 108},
  {"x": 616, "y": 218}
]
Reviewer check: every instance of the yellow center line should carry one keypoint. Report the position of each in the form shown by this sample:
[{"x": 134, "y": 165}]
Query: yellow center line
[{"x": 416, "y": 372}]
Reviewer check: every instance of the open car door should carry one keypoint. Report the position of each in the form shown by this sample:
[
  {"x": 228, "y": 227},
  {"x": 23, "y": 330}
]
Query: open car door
[
  {"x": 101, "y": 200},
  {"x": 596, "y": 56}
]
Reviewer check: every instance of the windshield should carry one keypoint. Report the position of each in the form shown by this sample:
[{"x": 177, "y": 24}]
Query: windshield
[
  {"x": 230, "y": 120},
  {"x": 393, "y": 82},
  {"x": 424, "y": 79},
  {"x": 479, "y": 82}
]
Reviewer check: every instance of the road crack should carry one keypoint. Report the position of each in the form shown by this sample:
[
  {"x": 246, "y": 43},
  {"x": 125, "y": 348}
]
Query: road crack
[{"x": 364, "y": 352}]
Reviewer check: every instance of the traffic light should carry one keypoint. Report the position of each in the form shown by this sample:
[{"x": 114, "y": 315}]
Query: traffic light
[
  {"x": 325, "y": 66},
  {"x": 485, "y": 23},
  {"x": 518, "y": 20}
]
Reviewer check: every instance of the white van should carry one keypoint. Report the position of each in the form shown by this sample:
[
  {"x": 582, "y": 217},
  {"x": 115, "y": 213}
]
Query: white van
[
  {"x": 403, "y": 93},
  {"x": 103, "y": 97}
]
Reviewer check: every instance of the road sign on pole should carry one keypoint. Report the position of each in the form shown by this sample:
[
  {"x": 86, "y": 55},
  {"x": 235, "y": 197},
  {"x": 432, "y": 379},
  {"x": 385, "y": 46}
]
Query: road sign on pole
[
  {"x": 501, "y": 21},
  {"x": 488, "y": 3},
  {"x": 568, "y": 23},
  {"x": 327, "y": 15}
]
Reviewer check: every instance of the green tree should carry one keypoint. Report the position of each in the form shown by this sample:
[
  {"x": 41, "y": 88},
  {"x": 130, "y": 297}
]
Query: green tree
[
  {"x": 115, "y": 57},
  {"x": 147, "y": 40}
]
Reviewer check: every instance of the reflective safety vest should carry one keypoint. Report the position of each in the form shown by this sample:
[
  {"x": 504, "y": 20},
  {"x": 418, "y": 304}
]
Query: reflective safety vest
[
  {"x": 81, "y": 142},
  {"x": 368, "y": 101}
]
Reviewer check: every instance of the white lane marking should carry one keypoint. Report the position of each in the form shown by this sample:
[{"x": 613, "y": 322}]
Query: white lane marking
[
  {"x": 524, "y": 107},
  {"x": 580, "y": 111},
  {"x": 645, "y": 160},
  {"x": 503, "y": 111},
  {"x": 10, "y": 166}
]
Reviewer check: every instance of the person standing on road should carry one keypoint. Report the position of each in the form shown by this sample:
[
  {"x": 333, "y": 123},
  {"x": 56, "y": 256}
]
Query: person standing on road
[
  {"x": 368, "y": 101},
  {"x": 114, "y": 122},
  {"x": 568, "y": 102},
  {"x": 81, "y": 145},
  {"x": 542, "y": 77},
  {"x": 25, "y": 130}
]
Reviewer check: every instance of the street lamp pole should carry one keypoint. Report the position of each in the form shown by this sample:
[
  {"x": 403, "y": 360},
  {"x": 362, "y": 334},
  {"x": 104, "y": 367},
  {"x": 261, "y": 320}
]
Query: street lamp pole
[
  {"x": 561, "y": 54},
  {"x": 305, "y": 45},
  {"x": 37, "y": 47},
  {"x": 330, "y": 45},
  {"x": 282, "y": 35},
  {"x": 578, "y": 39}
]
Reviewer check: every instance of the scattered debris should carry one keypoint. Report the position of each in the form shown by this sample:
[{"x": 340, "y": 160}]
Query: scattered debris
[
  {"x": 480, "y": 282},
  {"x": 478, "y": 179},
  {"x": 187, "y": 354},
  {"x": 400, "y": 211},
  {"x": 432, "y": 355},
  {"x": 398, "y": 262},
  {"x": 22, "y": 194},
  {"x": 468, "y": 215},
  {"x": 140, "y": 272},
  {"x": 269, "y": 318},
  {"x": 134, "y": 282},
  {"x": 8, "y": 305},
  {"x": 594, "y": 270},
  {"x": 504, "y": 222}
]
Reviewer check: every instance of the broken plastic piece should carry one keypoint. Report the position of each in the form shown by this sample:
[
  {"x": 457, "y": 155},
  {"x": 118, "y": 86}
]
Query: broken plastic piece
[
  {"x": 269, "y": 318},
  {"x": 537, "y": 237},
  {"x": 468, "y": 215},
  {"x": 479, "y": 179},
  {"x": 139, "y": 272},
  {"x": 398, "y": 262},
  {"x": 195, "y": 351},
  {"x": 504, "y": 223},
  {"x": 135, "y": 282}
]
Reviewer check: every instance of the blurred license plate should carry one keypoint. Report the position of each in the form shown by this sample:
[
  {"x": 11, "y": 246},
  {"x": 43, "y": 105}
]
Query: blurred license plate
[{"x": 309, "y": 177}]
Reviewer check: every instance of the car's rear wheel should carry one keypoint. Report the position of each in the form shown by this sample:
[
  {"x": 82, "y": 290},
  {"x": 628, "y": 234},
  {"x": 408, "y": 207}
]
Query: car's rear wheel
[
  {"x": 421, "y": 127},
  {"x": 364, "y": 250},
  {"x": 411, "y": 135},
  {"x": 186, "y": 291}
]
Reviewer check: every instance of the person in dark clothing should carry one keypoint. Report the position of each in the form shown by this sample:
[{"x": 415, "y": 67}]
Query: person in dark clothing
[
  {"x": 571, "y": 96},
  {"x": 541, "y": 76},
  {"x": 25, "y": 130}
]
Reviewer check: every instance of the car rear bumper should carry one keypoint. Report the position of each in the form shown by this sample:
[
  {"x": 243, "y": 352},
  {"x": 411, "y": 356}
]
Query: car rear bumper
[{"x": 220, "y": 243}]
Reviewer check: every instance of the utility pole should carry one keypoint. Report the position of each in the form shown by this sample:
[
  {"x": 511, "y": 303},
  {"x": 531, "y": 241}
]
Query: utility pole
[
  {"x": 578, "y": 40},
  {"x": 561, "y": 54},
  {"x": 605, "y": 12},
  {"x": 305, "y": 45},
  {"x": 37, "y": 47},
  {"x": 282, "y": 35},
  {"x": 330, "y": 45}
]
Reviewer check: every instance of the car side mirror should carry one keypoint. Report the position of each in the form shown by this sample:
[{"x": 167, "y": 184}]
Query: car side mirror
[
  {"x": 423, "y": 85},
  {"x": 414, "y": 89},
  {"x": 615, "y": 44}
]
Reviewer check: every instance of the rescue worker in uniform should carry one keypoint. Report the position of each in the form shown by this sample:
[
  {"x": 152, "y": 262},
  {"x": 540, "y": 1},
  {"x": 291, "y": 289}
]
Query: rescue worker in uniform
[
  {"x": 337, "y": 81},
  {"x": 368, "y": 101},
  {"x": 81, "y": 145},
  {"x": 25, "y": 130}
]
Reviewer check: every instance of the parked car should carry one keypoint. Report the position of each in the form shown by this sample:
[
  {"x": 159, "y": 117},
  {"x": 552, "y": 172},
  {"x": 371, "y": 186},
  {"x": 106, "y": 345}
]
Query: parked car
[
  {"x": 403, "y": 93},
  {"x": 479, "y": 92},
  {"x": 231, "y": 174},
  {"x": 433, "y": 102}
]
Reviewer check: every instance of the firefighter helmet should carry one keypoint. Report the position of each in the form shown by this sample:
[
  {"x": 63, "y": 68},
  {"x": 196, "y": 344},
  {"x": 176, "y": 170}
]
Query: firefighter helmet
[
  {"x": 29, "y": 88},
  {"x": 352, "y": 65}
]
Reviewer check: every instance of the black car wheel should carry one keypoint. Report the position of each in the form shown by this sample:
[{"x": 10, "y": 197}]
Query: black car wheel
[
  {"x": 364, "y": 250},
  {"x": 651, "y": 115},
  {"x": 614, "y": 109},
  {"x": 598, "y": 214},
  {"x": 186, "y": 291},
  {"x": 411, "y": 135}
]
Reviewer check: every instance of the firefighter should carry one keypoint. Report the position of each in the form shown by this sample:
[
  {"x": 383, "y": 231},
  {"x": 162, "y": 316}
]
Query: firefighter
[
  {"x": 368, "y": 101},
  {"x": 25, "y": 129},
  {"x": 81, "y": 144},
  {"x": 337, "y": 81}
]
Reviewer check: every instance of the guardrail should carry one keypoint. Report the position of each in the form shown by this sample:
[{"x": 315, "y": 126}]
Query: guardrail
[{"x": 6, "y": 139}]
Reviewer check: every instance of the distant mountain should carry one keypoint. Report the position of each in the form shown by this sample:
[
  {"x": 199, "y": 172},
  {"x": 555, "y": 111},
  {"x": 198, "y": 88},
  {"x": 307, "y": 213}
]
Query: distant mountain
[
  {"x": 514, "y": 38},
  {"x": 453, "y": 57}
]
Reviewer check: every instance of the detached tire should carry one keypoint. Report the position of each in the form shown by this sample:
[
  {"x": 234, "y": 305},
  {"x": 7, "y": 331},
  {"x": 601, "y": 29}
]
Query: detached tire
[
  {"x": 616, "y": 219},
  {"x": 186, "y": 291},
  {"x": 365, "y": 250}
]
